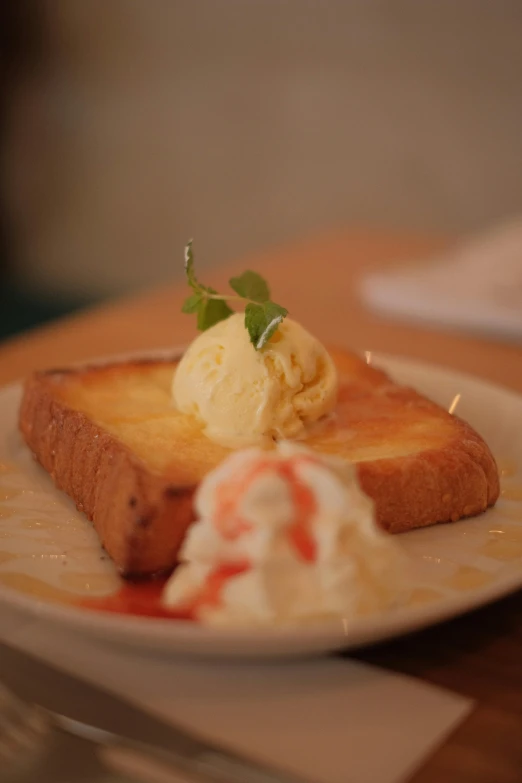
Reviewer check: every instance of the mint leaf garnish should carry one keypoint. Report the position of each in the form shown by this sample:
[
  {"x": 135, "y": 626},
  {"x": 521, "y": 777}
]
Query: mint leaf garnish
[
  {"x": 252, "y": 286},
  {"x": 189, "y": 266},
  {"x": 192, "y": 303},
  {"x": 211, "y": 312},
  {"x": 262, "y": 320},
  {"x": 262, "y": 316}
]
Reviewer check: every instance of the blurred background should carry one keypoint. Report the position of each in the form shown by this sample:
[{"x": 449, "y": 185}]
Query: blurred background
[{"x": 128, "y": 126}]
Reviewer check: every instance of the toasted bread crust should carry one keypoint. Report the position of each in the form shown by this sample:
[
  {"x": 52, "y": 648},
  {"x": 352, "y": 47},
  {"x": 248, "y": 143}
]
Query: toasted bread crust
[
  {"x": 141, "y": 515},
  {"x": 439, "y": 485}
]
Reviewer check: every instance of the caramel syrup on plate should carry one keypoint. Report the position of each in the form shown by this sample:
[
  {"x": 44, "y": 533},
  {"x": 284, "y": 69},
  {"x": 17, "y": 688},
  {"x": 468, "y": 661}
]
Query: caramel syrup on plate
[
  {"x": 8, "y": 467},
  {"x": 7, "y": 493},
  {"x": 512, "y": 492},
  {"x": 504, "y": 543},
  {"x": 507, "y": 467},
  {"x": 31, "y": 585},
  {"x": 469, "y": 578}
]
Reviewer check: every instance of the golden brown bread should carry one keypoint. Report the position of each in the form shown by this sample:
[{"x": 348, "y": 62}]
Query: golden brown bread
[{"x": 111, "y": 439}]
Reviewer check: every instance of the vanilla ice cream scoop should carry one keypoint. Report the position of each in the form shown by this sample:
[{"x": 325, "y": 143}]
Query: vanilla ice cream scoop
[
  {"x": 244, "y": 396},
  {"x": 282, "y": 536}
]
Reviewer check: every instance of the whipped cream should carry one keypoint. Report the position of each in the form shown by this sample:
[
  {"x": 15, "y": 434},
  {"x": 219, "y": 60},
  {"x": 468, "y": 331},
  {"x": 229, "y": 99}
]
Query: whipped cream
[{"x": 285, "y": 535}]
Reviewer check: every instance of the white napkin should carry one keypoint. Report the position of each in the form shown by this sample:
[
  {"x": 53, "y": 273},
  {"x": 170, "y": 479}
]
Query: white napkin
[
  {"x": 329, "y": 720},
  {"x": 476, "y": 286}
]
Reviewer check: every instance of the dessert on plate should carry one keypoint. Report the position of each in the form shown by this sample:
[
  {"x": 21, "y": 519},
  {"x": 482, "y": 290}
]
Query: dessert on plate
[{"x": 132, "y": 441}]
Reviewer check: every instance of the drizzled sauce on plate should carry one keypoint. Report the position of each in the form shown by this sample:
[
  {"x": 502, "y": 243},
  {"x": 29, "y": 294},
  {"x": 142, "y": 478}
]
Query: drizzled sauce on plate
[{"x": 143, "y": 598}]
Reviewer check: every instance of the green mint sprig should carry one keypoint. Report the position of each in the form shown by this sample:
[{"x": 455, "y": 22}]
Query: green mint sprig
[{"x": 262, "y": 316}]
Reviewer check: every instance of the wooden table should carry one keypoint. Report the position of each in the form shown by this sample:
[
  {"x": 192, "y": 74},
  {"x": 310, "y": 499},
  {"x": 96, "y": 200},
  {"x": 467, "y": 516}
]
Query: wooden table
[{"x": 480, "y": 655}]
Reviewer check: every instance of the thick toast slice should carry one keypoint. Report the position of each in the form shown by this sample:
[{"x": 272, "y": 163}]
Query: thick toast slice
[{"x": 112, "y": 440}]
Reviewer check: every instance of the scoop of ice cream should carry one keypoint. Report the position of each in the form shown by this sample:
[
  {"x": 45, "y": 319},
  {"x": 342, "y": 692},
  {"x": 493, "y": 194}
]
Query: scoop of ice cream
[
  {"x": 284, "y": 536},
  {"x": 244, "y": 396}
]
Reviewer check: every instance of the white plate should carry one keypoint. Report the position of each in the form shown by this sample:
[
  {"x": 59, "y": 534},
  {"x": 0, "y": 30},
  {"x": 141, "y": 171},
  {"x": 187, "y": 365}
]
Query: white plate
[{"x": 49, "y": 552}]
